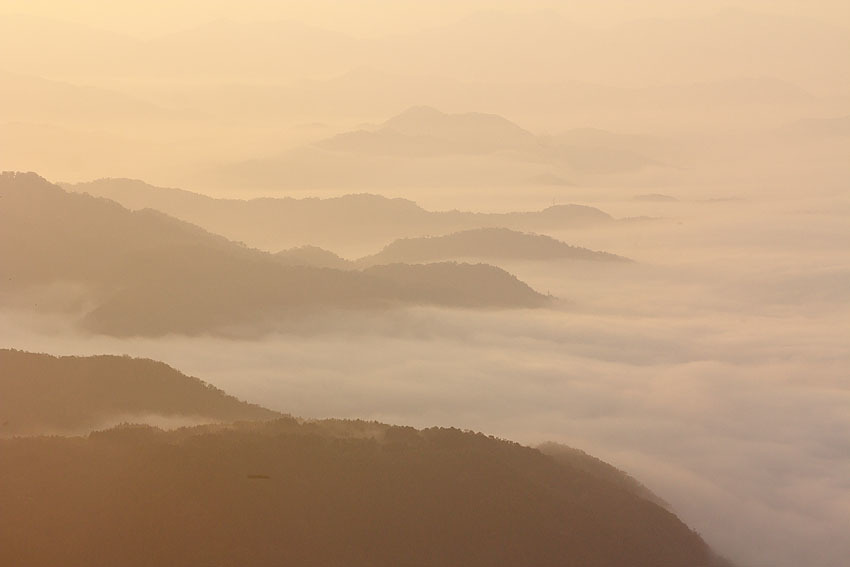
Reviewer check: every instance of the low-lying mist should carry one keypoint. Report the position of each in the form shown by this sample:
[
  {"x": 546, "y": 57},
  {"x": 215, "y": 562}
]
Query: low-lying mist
[
  {"x": 705, "y": 142},
  {"x": 714, "y": 368}
]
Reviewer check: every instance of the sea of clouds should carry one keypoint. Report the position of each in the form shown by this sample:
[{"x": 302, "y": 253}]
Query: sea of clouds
[{"x": 715, "y": 369}]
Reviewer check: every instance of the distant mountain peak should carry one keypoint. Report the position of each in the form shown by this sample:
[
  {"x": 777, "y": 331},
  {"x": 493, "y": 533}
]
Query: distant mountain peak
[
  {"x": 28, "y": 181},
  {"x": 425, "y": 131},
  {"x": 420, "y": 111},
  {"x": 430, "y": 117}
]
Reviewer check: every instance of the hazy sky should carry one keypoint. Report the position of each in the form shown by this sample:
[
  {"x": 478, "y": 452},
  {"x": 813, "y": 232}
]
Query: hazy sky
[
  {"x": 365, "y": 17},
  {"x": 714, "y": 368}
]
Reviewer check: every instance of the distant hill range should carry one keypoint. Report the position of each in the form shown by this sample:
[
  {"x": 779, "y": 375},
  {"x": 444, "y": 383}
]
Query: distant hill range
[
  {"x": 42, "y": 394},
  {"x": 423, "y": 146},
  {"x": 289, "y": 491},
  {"x": 535, "y": 50},
  {"x": 482, "y": 236},
  {"x": 423, "y": 131},
  {"x": 481, "y": 244},
  {"x": 148, "y": 274},
  {"x": 491, "y": 244},
  {"x": 277, "y": 224},
  {"x": 655, "y": 198},
  {"x": 25, "y": 98}
]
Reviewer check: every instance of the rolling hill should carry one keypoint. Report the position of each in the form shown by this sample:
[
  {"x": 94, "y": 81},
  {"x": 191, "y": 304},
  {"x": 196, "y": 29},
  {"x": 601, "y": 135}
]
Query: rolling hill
[
  {"x": 33, "y": 99},
  {"x": 291, "y": 491},
  {"x": 488, "y": 244},
  {"x": 423, "y": 147},
  {"x": 424, "y": 131},
  {"x": 312, "y": 256},
  {"x": 331, "y": 223},
  {"x": 41, "y": 394},
  {"x": 149, "y": 274},
  {"x": 321, "y": 493}
]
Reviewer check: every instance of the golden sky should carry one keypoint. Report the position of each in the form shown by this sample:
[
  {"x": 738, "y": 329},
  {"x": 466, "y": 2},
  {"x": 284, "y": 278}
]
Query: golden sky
[{"x": 367, "y": 17}]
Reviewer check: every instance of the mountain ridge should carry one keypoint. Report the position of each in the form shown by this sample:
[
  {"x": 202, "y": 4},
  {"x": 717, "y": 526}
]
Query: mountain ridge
[
  {"x": 43, "y": 394},
  {"x": 274, "y": 224},
  {"x": 152, "y": 274},
  {"x": 323, "y": 490},
  {"x": 488, "y": 244}
]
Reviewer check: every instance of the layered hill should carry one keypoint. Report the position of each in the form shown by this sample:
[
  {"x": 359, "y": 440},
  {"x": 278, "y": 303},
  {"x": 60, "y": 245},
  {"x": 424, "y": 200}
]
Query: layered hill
[
  {"x": 481, "y": 244},
  {"x": 489, "y": 244},
  {"x": 320, "y": 493},
  {"x": 423, "y": 131},
  {"x": 276, "y": 224},
  {"x": 42, "y": 394},
  {"x": 491, "y": 47},
  {"x": 280, "y": 490},
  {"x": 149, "y": 274},
  {"x": 34, "y": 99},
  {"x": 423, "y": 147},
  {"x": 312, "y": 256}
]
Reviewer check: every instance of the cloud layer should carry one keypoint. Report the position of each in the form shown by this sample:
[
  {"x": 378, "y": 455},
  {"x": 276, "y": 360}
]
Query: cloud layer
[{"x": 715, "y": 370}]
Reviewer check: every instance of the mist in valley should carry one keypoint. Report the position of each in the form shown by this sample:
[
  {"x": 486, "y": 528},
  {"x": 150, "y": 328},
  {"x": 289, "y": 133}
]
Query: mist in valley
[
  {"x": 710, "y": 367},
  {"x": 623, "y": 230}
]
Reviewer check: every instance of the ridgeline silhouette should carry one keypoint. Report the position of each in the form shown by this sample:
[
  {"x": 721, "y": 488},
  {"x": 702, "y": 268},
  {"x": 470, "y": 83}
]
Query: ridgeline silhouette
[
  {"x": 489, "y": 244},
  {"x": 280, "y": 223},
  {"x": 293, "y": 492},
  {"x": 150, "y": 274},
  {"x": 41, "y": 394},
  {"x": 423, "y": 146}
]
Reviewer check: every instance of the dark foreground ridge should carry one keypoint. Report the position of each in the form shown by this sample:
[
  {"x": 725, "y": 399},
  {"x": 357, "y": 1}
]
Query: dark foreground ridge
[
  {"x": 42, "y": 394},
  {"x": 325, "y": 493},
  {"x": 292, "y": 492}
]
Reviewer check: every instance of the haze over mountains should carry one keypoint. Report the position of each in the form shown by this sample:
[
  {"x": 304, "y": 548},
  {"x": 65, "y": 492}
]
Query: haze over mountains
[
  {"x": 423, "y": 147},
  {"x": 481, "y": 47},
  {"x": 344, "y": 170},
  {"x": 41, "y": 394},
  {"x": 484, "y": 243},
  {"x": 147, "y": 273},
  {"x": 27, "y": 98},
  {"x": 234, "y": 90},
  {"x": 424, "y": 131},
  {"x": 274, "y": 224}
]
